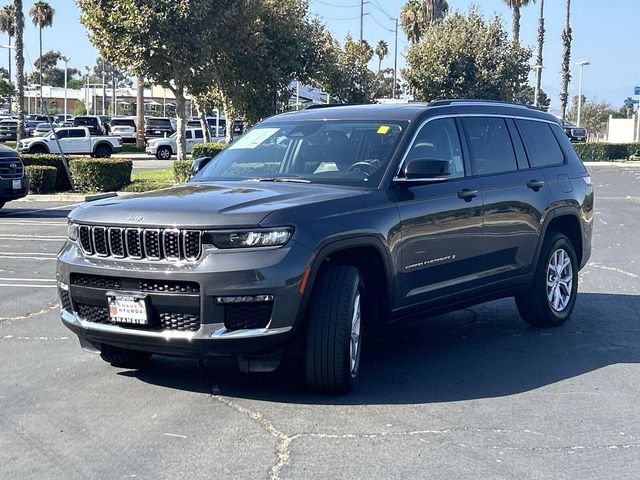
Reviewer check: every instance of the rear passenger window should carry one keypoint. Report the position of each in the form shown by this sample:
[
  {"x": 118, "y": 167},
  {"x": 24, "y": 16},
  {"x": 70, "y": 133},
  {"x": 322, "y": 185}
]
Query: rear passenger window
[
  {"x": 76, "y": 133},
  {"x": 199, "y": 134},
  {"x": 490, "y": 145},
  {"x": 541, "y": 143}
]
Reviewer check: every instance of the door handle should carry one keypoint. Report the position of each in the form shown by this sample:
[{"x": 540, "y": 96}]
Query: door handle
[
  {"x": 535, "y": 184},
  {"x": 467, "y": 195}
]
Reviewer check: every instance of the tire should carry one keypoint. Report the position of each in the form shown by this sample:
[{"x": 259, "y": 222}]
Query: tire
[
  {"x": 38, "y": 149},
  {"x": 1, "y": 205},
  {"x": 120, "y": 357},
  {"x": 550, "y": 301},
  {"x": 103, "y": 151},
  {"x": 164, "y": 153},
  {"x": 332, "y": 360}
]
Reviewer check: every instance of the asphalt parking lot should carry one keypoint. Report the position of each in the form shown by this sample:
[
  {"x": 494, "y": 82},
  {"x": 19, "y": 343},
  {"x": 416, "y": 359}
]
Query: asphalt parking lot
[{"x": 471, "y": 394}]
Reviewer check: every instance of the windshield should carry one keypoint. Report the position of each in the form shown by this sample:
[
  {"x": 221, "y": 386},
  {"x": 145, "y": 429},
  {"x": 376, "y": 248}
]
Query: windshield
[
  {"x": 330, "y": 151},
  {"x": 117, "y": 122},
  {"x": 158, "y": 122}
]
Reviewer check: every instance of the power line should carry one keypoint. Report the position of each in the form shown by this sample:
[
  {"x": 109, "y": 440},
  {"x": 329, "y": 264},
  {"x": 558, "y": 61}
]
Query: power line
[
  {"x": 380, "y": 24},
  {"x": 338, "y": 19},
  {"x": 377, "y": 5},
  {"x": 335, "y": 5}
]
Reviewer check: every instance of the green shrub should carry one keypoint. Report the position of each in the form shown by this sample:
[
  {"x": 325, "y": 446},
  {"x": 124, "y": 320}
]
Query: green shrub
[
  {"x": 100, "y": 175},
  {"x": 606, "y": 152},
  {"x": 146, "y": 185},
  {"x": 182, "y": 170},
  {"x": 207, "y": 149},
  {"x": 42, "y": 178},
  {"x": 50, "y": 160}
]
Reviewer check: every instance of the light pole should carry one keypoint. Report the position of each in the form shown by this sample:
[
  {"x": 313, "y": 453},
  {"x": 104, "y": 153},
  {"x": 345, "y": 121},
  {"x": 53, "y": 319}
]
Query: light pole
[
  {"x": 536, "y": 90},
  {"x": 104, "y": 91},
  {"x": 581, "y": 65},
  {"x": 65, "y": 59}
]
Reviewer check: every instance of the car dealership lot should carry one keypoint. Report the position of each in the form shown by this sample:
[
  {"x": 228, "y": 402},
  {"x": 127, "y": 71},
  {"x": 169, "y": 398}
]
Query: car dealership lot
[{"x": 471, "y": 394}]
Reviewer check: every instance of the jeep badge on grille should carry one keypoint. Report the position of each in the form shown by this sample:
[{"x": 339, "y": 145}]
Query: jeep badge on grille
[{"x": 135, "y": 218}]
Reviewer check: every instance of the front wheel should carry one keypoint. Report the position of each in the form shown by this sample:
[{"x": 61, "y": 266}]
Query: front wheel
[
  {"x": 552, "y": 296},
  {"x": 124, "y": 358},
  {"x": 164, "y": 153},
  {"x": 334, "y": 337},
  {"x": 38, "y": 149}
]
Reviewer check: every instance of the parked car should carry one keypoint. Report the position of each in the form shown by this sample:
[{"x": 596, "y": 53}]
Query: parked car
[
  {"x": 195, "y": 123},
  {"x": 62, "y": 118},
  {"x": 30, "y": 127},
  {"x": 14, "y": 184},
  {"x": 124, "y": 127},
  {"x": 39, "y": 118},
  {"x": 165, "y": 148},
  {"x": 8, "y": 130},
  {"x": 74, "y": 140},
  {"x": 158, "y": 127},
  {"x": 42, "y": 129},
  {"x": 106, "y": 123},
  {"x": 575, "y": 134},
  {"x": 319, "y": 226},
  {"x": 92, "y": 122}
]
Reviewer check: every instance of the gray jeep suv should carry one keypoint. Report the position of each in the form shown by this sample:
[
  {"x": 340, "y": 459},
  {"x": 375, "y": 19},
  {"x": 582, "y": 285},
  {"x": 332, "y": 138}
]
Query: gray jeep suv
[{"x": 324, "y": 224}]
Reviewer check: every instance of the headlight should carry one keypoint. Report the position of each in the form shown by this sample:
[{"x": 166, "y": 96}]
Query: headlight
[
  {"x": 269, "y": 237},
  {"x": 72, "y": 231}
]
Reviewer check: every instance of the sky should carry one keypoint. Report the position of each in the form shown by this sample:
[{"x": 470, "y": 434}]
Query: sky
[{"x": 603, "y": 34}]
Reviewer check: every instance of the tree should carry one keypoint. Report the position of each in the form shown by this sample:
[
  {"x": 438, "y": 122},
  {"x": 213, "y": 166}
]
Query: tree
[
  {"x": 539, "y": 58},
  {"x": 416, "y": 16},
  {"x": 46, "y": 68},
  {"x": 526, "y": 96},
  {"x": 384, "y": 84},
  {"x": 466, "y": 56},
  {"x": 515, "y": 6},
  {"x": 626, "y": 110},
  {"x": 566, "y": 61},
  {"x": 7, "y": 90},
  {"x": 41, "y": 14},
  {"x": 80, "y": 108},
  {"x": 382, "y": 50},
  {"x": 19, "y": 31},
  {"x": 168, "y": 42},
  {"x": 594, "y": 115},
  {"x": 7, "y": 25}
]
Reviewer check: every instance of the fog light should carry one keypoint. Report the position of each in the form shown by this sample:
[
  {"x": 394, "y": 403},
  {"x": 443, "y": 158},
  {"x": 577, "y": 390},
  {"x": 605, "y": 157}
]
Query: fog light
[{"x": 244, "y": 299}]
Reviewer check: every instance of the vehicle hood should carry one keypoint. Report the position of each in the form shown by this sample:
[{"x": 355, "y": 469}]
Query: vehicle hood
[
  {"x": 197, "y": 205},
  {"x": 30, "y": 140}
]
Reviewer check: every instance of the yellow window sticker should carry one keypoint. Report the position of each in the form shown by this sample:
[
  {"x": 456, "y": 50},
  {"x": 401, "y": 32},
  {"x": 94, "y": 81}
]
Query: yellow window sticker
[{"x": 383, "y": 129}]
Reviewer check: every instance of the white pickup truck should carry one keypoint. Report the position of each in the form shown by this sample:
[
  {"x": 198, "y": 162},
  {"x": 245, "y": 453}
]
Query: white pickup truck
[{"x": 74, "y": 141}]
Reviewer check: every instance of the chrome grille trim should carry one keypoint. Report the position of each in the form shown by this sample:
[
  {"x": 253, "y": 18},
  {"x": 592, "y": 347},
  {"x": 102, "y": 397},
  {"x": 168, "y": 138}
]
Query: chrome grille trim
[{"x": 153, "y": 244}]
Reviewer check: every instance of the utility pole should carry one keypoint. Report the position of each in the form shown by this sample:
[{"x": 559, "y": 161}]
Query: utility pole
[
  {"x": 140, "y": 113},
  {"x": 395, "y": 63},
  {"x": 581, "y": 65},
  {"x": 65, "y": 59},
  {"x": 361, "y": 20}
]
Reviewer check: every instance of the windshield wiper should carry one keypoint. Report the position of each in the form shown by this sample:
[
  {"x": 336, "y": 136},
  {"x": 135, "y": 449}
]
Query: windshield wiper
[{"x": 280, "y": 179}]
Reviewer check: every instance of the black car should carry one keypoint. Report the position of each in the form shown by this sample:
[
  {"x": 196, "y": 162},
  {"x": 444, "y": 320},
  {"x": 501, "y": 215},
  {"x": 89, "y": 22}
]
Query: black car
[
  {"x": 92, "y": 122},
  {"x": 158, "y": 127},
  {"x": 574, "y": 133},
  {"x": 8, "y": 130},
  {"x": 14, "y": 184},
  {"x": 319, "y": 226}
]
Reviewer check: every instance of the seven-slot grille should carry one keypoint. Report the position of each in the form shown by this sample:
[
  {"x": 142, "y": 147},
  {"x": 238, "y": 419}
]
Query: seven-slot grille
[
  {"x": 11, "y": 168},
  {"x": 141, "y": 243}
]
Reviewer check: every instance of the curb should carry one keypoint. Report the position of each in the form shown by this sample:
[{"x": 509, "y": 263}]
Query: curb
[{"x": 67, "y": 197}]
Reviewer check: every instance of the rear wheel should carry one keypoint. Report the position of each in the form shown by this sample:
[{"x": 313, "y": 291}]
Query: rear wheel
[
  {"x": 334, "y": 337},
  {"x": 103, "y": 151},
  {"x": 552, "y": 296},
  {"x": 164, "y": 153},
  {"x": 124, "y": 358}
]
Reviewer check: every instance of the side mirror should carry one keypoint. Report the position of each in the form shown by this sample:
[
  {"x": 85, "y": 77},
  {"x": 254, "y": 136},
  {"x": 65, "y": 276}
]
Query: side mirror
[
  {"x": 198, "y": 164},
  {"x": 425, "y": 170}
]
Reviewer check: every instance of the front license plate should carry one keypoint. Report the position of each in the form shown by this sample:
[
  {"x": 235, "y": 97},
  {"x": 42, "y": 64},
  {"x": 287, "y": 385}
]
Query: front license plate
[
  {"x": 131, "y": 309},
  {"x": 17, "y": 184},
  {"x": 159, "y": 132}
]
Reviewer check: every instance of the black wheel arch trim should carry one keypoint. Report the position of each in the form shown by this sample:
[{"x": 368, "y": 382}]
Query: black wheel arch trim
[
  {"x": 561, "y": 211},
  {"x": 39, "y": 144}
]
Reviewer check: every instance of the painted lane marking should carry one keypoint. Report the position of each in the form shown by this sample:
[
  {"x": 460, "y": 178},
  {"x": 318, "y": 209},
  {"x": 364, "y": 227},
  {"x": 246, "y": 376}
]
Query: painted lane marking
[
  {"x": 22, "y": 285},
  {"x": 7, "y": 279}
]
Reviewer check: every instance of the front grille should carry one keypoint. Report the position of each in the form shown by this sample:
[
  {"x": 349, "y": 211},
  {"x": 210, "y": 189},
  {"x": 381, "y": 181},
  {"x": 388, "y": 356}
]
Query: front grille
[
  {"x": 183, "y": 322},
  {"x": 168, "y": 287},
  {"x": 11, "y": 168},
  {"x": 238, "y": 316},
  {"x": 141, "y": 243},
  {"x": 65, "y": 300},
  {"x": 93, "y": 313},
  {"x": 95, "y": 281}
]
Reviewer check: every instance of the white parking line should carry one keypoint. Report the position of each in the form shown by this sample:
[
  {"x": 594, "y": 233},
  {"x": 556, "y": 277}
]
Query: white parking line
[
  {"x": 17, "y": 235},
  {"x": 35, "y": 223},
  {"x": 15, "y": 257},
  {"x": 26, "y": 285},
  {"x": 4, "y": 279},
  {"x": 37, "y": 254}
]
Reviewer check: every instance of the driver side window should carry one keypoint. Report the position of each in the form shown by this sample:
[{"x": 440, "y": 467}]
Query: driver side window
[{"x": 439, "y": 140}]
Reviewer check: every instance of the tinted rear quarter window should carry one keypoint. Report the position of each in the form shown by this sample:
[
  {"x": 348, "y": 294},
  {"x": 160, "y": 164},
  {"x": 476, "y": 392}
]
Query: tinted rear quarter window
[
  {"x": 490, "y": 145},
  {"x": 542, "y": 146}
]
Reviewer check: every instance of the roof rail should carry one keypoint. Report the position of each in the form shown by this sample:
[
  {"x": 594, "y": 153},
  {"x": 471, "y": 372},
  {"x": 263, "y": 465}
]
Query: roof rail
[
  {"x": 326, "y": 105},
  {"x": 471, "y": 101}
]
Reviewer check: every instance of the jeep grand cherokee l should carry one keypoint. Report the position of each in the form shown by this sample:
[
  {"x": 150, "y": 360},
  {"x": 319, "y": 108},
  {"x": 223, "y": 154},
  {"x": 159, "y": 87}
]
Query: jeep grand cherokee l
[{"x": 323, "y": 224}]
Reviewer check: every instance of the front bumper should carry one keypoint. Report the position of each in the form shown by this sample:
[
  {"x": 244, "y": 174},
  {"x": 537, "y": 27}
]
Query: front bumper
[
  {"x": 8, "y": 193},
  {"x": 277, "y": 272},
  {"x": 151, "y": 149}
]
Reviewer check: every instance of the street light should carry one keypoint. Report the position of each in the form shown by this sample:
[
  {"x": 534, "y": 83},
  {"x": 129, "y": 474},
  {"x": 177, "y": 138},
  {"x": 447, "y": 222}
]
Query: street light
[
  {"x": 581, "y": 65},
  {"x": 65, "y": 59}
]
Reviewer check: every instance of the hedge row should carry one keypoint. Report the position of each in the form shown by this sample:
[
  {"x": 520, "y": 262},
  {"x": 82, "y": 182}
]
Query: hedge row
[
  {"x": 182, "y": 170},
  {"x": 100, "y": 175},
  {"x": 50, "y": 160},
  {"x": 42, "y": 178},
  {"x": 598, "y": 151},
  {"x": 207, "y": 149}
]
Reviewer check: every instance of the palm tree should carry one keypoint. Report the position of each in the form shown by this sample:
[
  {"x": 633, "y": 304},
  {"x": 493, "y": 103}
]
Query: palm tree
[
  {"x": 566, "y": 60},
  {"x": 7, "y": 25},
  {"x": 539, "y": 59},
  {"x": 416, "y": 16},
  {"x": 41, "y": 14},
  {"x": 382, "y": 50},
  {"x": 19, "y": 31},
  {"x": 515, "y": 6}
]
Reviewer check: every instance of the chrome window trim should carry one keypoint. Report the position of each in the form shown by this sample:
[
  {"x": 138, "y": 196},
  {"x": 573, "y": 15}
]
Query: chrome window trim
[{"x": 398, "y": 178}]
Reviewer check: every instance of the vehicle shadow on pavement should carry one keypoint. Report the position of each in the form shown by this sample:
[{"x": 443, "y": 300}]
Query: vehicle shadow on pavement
[{"x": 483, "y": 352}]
